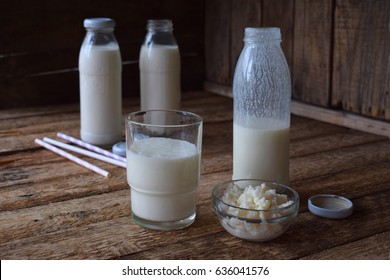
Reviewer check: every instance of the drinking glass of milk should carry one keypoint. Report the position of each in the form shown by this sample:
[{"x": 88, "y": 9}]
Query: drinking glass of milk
[{"x": 163, "y": 167}]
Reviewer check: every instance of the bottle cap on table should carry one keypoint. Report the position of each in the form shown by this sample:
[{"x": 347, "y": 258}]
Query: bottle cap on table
[
  {"x": 119, "y": 149},
  {"x": 330, "y": 206}
]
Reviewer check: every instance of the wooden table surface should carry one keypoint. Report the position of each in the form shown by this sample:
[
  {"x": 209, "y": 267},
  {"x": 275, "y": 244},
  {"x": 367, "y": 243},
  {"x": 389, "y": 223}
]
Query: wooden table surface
[{"x": 51, "y": 208}]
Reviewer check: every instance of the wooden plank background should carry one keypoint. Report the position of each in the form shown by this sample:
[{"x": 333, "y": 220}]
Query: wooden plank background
[
  {"x": 41, "y": 42},
  {"x": 338, "y": 51},
  {"x": 312, "y": 51},
  {"x": 361, "y": 79}
]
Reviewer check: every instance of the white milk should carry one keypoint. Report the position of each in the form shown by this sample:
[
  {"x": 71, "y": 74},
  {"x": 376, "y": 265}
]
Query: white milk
[
  {"x": 100, "y": 94},
  {"x": 163, "y": 175},
  {"x": 261, "y": 152},
  {"x": 160, "y": 77}
]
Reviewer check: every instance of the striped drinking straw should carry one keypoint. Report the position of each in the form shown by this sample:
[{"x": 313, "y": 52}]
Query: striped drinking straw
[
  {"x": 73, "y": 158},
  {"x": 90, "y": 146}
]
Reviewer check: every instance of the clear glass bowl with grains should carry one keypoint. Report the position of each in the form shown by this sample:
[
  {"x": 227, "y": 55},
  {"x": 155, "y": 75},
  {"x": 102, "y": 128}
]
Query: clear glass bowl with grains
[{"x": 255, "y": 210}]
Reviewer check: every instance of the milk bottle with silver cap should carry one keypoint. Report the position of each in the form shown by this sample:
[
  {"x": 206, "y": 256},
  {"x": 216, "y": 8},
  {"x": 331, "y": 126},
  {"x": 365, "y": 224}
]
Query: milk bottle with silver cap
[{"x": 100, "y": 69}]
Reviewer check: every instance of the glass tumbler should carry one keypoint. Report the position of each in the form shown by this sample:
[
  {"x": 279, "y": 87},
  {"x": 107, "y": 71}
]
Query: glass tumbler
[{"x": 163, "y": 151}]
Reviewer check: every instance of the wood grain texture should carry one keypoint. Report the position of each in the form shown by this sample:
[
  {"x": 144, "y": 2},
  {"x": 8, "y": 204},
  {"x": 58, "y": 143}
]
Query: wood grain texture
[
  {"x": 343, "y": 118},
  {"x": 377, "y": 247},
  {"x": 281, "y": 14},
  {"x": 361, "y": 79},
  {"x": 312, "y": 51},
  {"x": 39, "y": 59},
  {"x": 51, "y": 208},
  {"x": 338, "y": 51},
  {"x": 244, "y": 13},
  {"x": 337, "y": 117},
  {"x": 217, "y": 41}
]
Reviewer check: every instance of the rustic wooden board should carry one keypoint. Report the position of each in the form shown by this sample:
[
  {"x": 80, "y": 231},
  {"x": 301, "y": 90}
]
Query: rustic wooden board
[
  {"x": 361, "y": 69},
  {"x": 343, "y": 118},
  {"x": 39, "y": 59},
  {"x": 377, "y": 247},
  {"x": 337, "y": 117},
  {"x": 244, "y": 13},
  {"x": 281, "y": 14},
  {"x": 51, "y": 208},
  {"x": 217, "y": 42},
  {"x": 312, "y": 51}
]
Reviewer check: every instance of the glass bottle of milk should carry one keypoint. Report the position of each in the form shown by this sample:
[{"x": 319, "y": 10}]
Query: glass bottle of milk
[
  {"x": 159, "y": 65},
  {"x": 262, "y": 95},
  {"x": 100, "y": 68}
]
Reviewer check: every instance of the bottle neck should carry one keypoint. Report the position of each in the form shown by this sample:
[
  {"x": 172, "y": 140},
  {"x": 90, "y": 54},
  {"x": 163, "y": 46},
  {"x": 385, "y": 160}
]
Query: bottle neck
[
  {"x": 100, "y": 36},
  {"x": 162, "y": 25},
  {"x": 262, "y": 35},
  {"x": 160, "y": 33},
  {"x": 100, "y": 30}
]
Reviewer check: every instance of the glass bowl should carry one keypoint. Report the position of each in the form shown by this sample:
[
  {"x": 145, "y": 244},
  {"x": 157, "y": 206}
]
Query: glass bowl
[{"x": 255, "y": 210}]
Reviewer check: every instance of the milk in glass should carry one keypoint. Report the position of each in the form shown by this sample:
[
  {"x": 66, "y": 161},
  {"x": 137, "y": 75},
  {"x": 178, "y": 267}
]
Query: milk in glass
[{"x": 163, "y": 174}]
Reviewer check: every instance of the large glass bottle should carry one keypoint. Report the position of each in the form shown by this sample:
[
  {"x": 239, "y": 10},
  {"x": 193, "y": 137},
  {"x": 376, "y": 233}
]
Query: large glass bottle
[
  {"x": 262, "y": 97},
  {"x": 100, "y": 67},
  {"x": 159, "y": 65}
]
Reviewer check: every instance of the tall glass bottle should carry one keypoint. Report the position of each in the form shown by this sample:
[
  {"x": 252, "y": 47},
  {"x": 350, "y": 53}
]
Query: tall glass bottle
[
  {"x": 159, "y": 65},
  {"x": 100, "y": 67},
  {"x": 262, "y": 97}
]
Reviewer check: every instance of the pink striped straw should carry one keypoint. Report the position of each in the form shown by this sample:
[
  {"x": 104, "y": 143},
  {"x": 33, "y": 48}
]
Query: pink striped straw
[
  {"x": 71, "y": 157},
  {"x": 90, "y": 147}
]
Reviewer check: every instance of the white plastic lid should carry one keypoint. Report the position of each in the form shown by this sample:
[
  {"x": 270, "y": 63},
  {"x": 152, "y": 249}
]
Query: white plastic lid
[
  {"x": 99, "y": 23},
  {"x": 119, "y": 149},
  {"x": 330, "y": 206}
]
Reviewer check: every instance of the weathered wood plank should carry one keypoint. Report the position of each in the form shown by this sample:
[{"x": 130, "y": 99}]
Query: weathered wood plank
[
  {"x": 18, "y": 130},
  {"x": 312, "y": 51},
  {"x": 352, "y": 183},
  {"x": 295, "y": 243},
  {"x": 244, "y": 13},
  {"x": 190, "y": 99},
  {"x": 21, "y": 172},
  {"x": 51, "y": 208},
  {"x": 325, "y": 142},
  {"x": 337, "y": 117},
  {"x": 281, "y": 14},
  {"x": 342, "y": 118},
  {"x": 39, "y": 59},
  {"x": 120, "y": 237},
  {"x": 357, "y": 184},
  {"x": 361, "y": 79},
  {"x": 353, "y": 250},
  {"x": 334, "y": 161},
  {"x": 217, "y": 42}
]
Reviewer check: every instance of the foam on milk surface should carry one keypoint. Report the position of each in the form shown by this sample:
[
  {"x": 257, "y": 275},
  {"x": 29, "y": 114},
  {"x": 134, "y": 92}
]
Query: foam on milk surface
[{"x": 160, "y": 147}]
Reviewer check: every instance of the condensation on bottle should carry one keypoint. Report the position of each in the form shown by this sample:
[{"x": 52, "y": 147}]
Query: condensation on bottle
[{"x": 262, "y": 97}]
